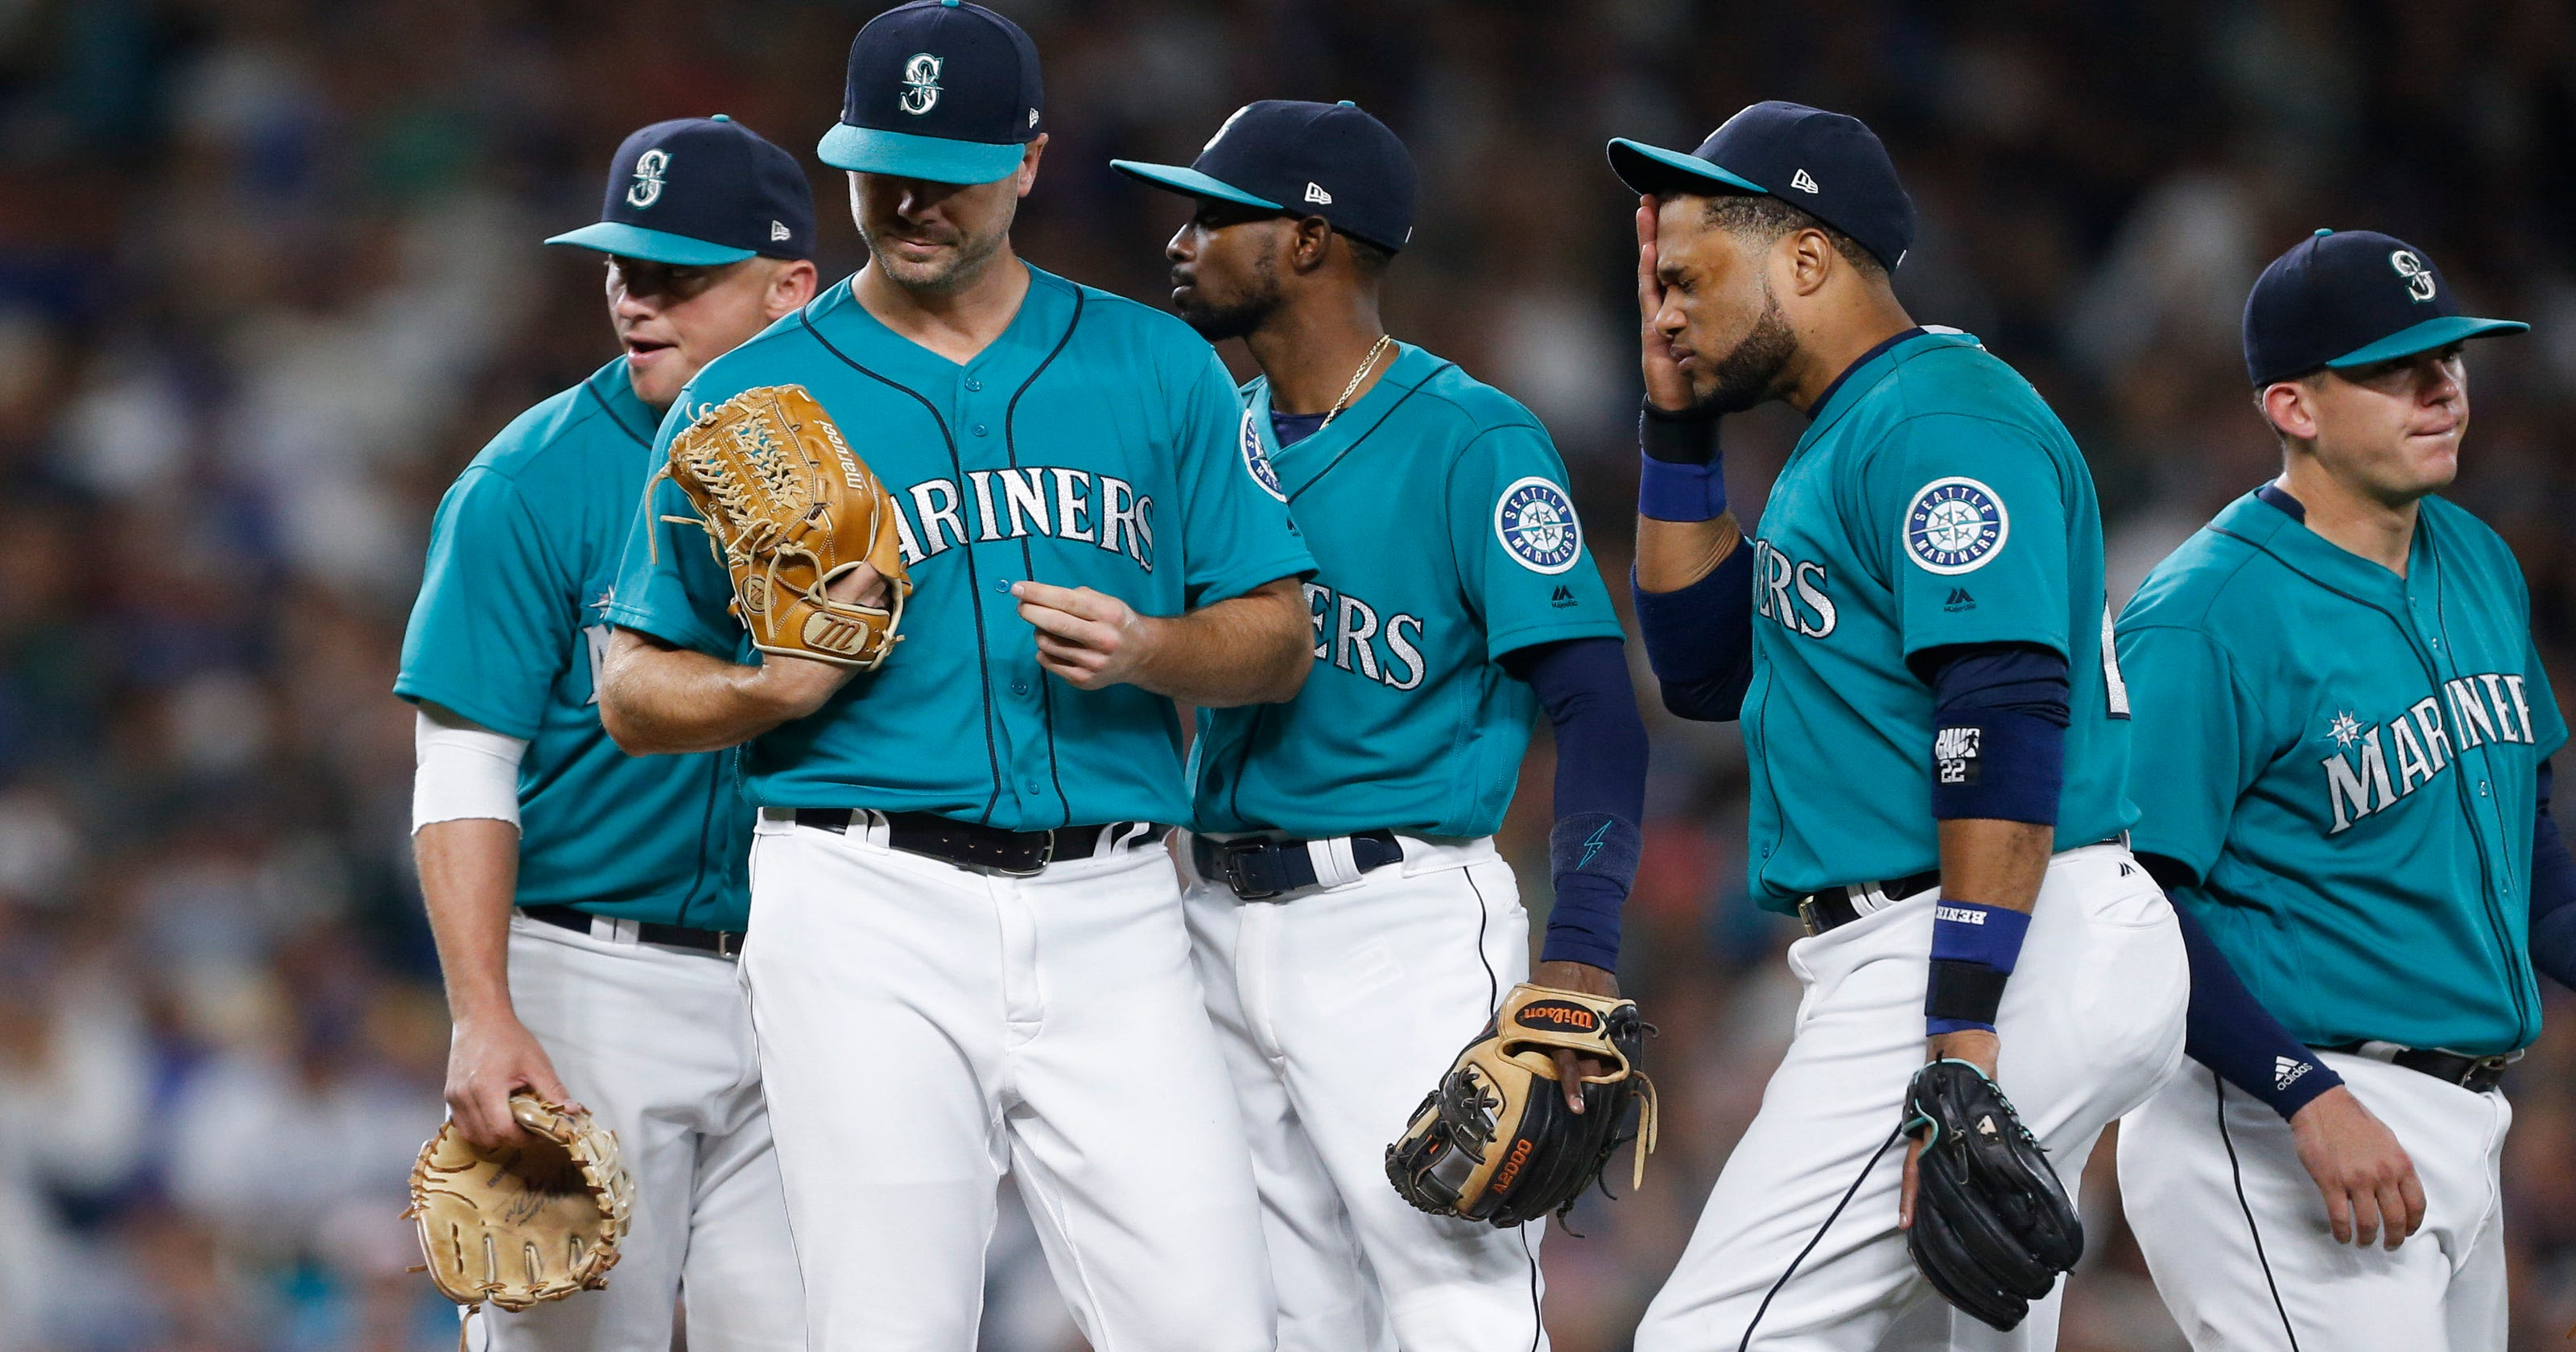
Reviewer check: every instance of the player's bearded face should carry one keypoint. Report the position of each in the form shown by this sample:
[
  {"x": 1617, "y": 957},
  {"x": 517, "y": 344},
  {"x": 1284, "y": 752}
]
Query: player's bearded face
[
  {"x": 938, "y": 237},
  {"x": 2393, "y": 429},
  {"x": 1225, "y": 270},
  {"x": 1720, "y": 315}
]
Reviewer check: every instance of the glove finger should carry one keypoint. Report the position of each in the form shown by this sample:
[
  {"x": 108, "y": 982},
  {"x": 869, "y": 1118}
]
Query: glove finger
[
  {"x": 1943, "y": 1262},
  {"x": 1984, "y": 1237}
]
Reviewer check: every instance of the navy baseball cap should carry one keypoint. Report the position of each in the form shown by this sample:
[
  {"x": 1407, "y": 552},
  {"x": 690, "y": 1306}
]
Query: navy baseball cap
[
  {"x": 1305, "y": 159},
  {"x": 699, "y": 191},
  {"x": 939, "y": 90},
  {"x": 1829, "y": 165},
  {"x": 2348, "y": 298}
]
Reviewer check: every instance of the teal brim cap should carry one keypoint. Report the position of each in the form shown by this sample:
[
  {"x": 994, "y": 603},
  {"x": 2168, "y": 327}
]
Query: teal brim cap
[
  {"x": 653, "y": 246},
  {"x": 904, "y": 155},
  {"x": 1653, "y": 169},
  {"x": 1183, "y": 179},
  {"x": 2424, "y": 337}
]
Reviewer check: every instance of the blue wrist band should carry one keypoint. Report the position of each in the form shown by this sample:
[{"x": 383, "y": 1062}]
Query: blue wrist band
[
  {"x": 1974, "y": 948},
  {"x": 1679, "y": 492}
]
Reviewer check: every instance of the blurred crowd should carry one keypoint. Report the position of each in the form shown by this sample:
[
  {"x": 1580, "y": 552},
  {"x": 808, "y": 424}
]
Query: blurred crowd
[{"x": 269, "y": 277}]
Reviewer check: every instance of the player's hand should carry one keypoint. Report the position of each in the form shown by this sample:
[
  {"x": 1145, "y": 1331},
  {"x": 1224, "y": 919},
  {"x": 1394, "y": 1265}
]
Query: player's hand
[
  {"x": 488, "y": 1059},
  {"x": 798, "y": 686},
  {"x": 1978, "y": 1048},
  {"x": 1089, "y": 638},
  {"x": 1587, "y": 979},
  {"x": 1667, "y": 388},
  {"x": 2367, "y": 1178}
]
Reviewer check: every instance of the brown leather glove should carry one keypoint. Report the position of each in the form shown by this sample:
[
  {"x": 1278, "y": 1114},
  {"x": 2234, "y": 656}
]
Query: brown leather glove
[{"x": 524, "y": 1223}]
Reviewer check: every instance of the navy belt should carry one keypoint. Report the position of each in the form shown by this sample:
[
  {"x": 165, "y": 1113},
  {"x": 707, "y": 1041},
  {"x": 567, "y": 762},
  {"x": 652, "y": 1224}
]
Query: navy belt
[
  {"x": 984, "y": 849},
  {"x": 722, "y": 943},
  {"x": 2477, "y": 1074},
  {"x": 1259, "y": 869}
]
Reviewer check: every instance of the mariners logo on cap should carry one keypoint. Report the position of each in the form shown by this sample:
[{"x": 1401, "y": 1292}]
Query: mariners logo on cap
[
  {"x": 2419, "y": 278},
  {"x": 649, "y": 170},
  {"x": 1257, "y": 464},
  {"x": 1955, "y": 525},
  {"x": 920, "y": 83},
  {"x": 1535, "y": 521}
]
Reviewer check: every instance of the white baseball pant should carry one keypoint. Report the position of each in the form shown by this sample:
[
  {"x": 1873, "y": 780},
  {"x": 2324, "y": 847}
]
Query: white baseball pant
[
  {"x": 657, "y": 1043},
  {"x": 2091, "y": 1024},
  {"x": 1340, "y": 1007},
  {"x": 2236, "y": 1233},
  {"x": 926, "y": 1030}
]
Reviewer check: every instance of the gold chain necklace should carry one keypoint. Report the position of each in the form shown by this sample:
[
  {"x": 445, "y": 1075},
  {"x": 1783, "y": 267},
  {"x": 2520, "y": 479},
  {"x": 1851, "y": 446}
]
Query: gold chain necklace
[{"x": 1356, "y": 377}]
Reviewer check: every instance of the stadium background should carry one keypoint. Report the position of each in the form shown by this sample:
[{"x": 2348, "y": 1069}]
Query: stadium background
[{"x": 269, "y": 276}]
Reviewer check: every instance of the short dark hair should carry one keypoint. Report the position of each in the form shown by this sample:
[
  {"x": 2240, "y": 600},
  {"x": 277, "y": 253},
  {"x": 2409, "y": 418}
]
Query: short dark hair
[
  {"x": 1766, "y": 218},
  {"x": 1368, "y": 259}
]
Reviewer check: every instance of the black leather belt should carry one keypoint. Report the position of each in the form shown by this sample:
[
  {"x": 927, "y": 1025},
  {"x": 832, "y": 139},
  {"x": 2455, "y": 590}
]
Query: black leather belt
[
  {"x": 1832, "y": 906},
  {"x": 2477, "y": 1074},
  {"x": 985, "y": 849},
  {"x": 1259, "y": 869},
  {"x": 722, "y": 943}
]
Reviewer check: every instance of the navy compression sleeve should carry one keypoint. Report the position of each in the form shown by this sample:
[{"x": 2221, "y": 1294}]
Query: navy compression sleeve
[
  {"x": 2230, "y": 1032},
  {"x": 1999, "y": 713},
  {"x": 1600, "y": 790},
  {"x": 1699, "y": 640},
  {"x": 2553, "y": 893}
]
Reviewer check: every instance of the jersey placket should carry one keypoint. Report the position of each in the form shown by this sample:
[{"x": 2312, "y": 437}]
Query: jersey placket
[{"x": 979, "y": 407}]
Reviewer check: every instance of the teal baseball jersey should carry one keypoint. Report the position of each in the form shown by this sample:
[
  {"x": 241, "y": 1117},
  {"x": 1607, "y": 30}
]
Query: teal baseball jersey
[
  {"x": 1091, "y": 444},
  {"x": 1934, "y": 501},
  {"x": 508, "y": 631},
  {"x": 2345, "y": 761},
  {"x": 1444, "y": 538}
]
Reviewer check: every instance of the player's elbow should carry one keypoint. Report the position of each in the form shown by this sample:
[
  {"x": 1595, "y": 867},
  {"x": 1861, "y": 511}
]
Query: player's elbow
[
  {"x": 621, "y": 711},
  {"x": 1704, "y": 701}
]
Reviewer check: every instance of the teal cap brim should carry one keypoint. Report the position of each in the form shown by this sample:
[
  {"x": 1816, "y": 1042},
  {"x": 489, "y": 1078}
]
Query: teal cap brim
[
  {"x": 863, "y": 150},
  {"x": 1653, "y": 169},
  {"x": 2424, "y": 337},
  {"x": 653, "y": 246},
  {"x": 1183, "y": 179}
]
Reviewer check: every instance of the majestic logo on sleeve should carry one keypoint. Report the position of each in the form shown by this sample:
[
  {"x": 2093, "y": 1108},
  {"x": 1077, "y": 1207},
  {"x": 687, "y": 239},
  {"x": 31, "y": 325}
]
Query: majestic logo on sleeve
[
  {"x": 1955, "y": 525},
  {"x": 2491, "y": 707},
  {"x": 1256, "y": 463},
  {"x": 1535, "y": 521},
  {"x": 2419, "y": 278},
  {"x": 650, "y": 169},
  {"x": 920, "y": 84}
]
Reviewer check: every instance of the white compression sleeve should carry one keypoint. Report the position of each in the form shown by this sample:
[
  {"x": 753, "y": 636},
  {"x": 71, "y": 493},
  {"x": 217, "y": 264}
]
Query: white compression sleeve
[{"x": 463, "y": 769}]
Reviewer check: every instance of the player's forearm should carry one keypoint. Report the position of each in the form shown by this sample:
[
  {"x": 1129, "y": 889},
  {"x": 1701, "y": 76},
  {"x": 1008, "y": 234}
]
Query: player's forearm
[
  {"x": 1995, "y": 863},
  {"x": 1250, "y": 649},
  {"x": 469, "y": 873},
  {"x": 655, "y": 699},
  {"x": 1672, "y": 555}
]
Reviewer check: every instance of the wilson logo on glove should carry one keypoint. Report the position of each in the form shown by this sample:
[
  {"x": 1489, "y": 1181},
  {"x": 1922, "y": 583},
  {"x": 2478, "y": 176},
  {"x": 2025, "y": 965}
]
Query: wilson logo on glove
[{"x": 1496, "y": 1141}]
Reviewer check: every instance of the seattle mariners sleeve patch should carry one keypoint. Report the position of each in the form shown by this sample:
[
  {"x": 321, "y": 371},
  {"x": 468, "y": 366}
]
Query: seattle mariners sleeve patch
[
  {"x": 1257, "y": 464},
  {"x": 1535, "y": 521},
  {"x": 1955, "y": 525}
]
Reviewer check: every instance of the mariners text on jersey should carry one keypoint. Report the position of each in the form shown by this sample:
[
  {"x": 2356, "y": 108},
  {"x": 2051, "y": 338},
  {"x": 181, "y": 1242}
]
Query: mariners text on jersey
[
  {"x": 1437, "y": 510},
  {"x": 1934, "y": 501},
  {"x": 1091, "y": 444},
  {"x": 2344, "y": 762}
]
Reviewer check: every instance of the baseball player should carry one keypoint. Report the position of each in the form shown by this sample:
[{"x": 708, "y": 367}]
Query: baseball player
[
  {"x": 2350, "y": 791},
  {"x": 969, "y": 957},
  {"x": 612, "y": 981},
  {"x": 1917, "y": 645},
  {"x": 1343, "y": 887}
]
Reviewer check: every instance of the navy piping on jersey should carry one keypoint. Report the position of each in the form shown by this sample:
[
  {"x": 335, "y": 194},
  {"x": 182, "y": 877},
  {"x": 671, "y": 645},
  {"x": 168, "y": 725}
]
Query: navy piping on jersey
[
  {"x": 974, "y": 580},
  {"x": 2496, "y": 927},
  {"x": 1028, "y": 561},
  {"x": 1345, "y": 452},
  {"x": 1864, "y": 359},
  {"x": 643, "y": 439}
]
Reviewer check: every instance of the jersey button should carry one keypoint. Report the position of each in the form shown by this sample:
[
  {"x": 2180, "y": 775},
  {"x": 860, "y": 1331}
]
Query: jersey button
[
  {"x": 1019, "y": 687},
  {"x": 981, "y": 430},
  {"x": 972, "y": 384},
  {"x": 1002, "y": 585}
]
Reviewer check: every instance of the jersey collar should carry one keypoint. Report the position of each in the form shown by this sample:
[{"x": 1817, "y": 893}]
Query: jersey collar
[
  {"x": 1032, "y": 333},
  {"x": 616, "y": 394},
  {"x": 2267, "y": 526},
  {"x": 1305, "y": 462},
  {"x": 1876, "y": 365}
]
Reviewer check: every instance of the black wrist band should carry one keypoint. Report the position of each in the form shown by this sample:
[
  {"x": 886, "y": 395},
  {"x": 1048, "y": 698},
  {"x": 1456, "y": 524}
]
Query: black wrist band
[
  {"x": 1685, "y": 438},
  {"x": 1969, "y": 992}
]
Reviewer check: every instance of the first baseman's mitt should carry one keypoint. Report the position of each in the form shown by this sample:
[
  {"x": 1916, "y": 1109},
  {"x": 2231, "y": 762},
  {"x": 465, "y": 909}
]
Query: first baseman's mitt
[
  {"x": 522, "y": 1224},
  {"x": 1496, "y": 1141},
  {"x": 1992, "y": 1223},
  {"x": 790, "y": 508}
]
